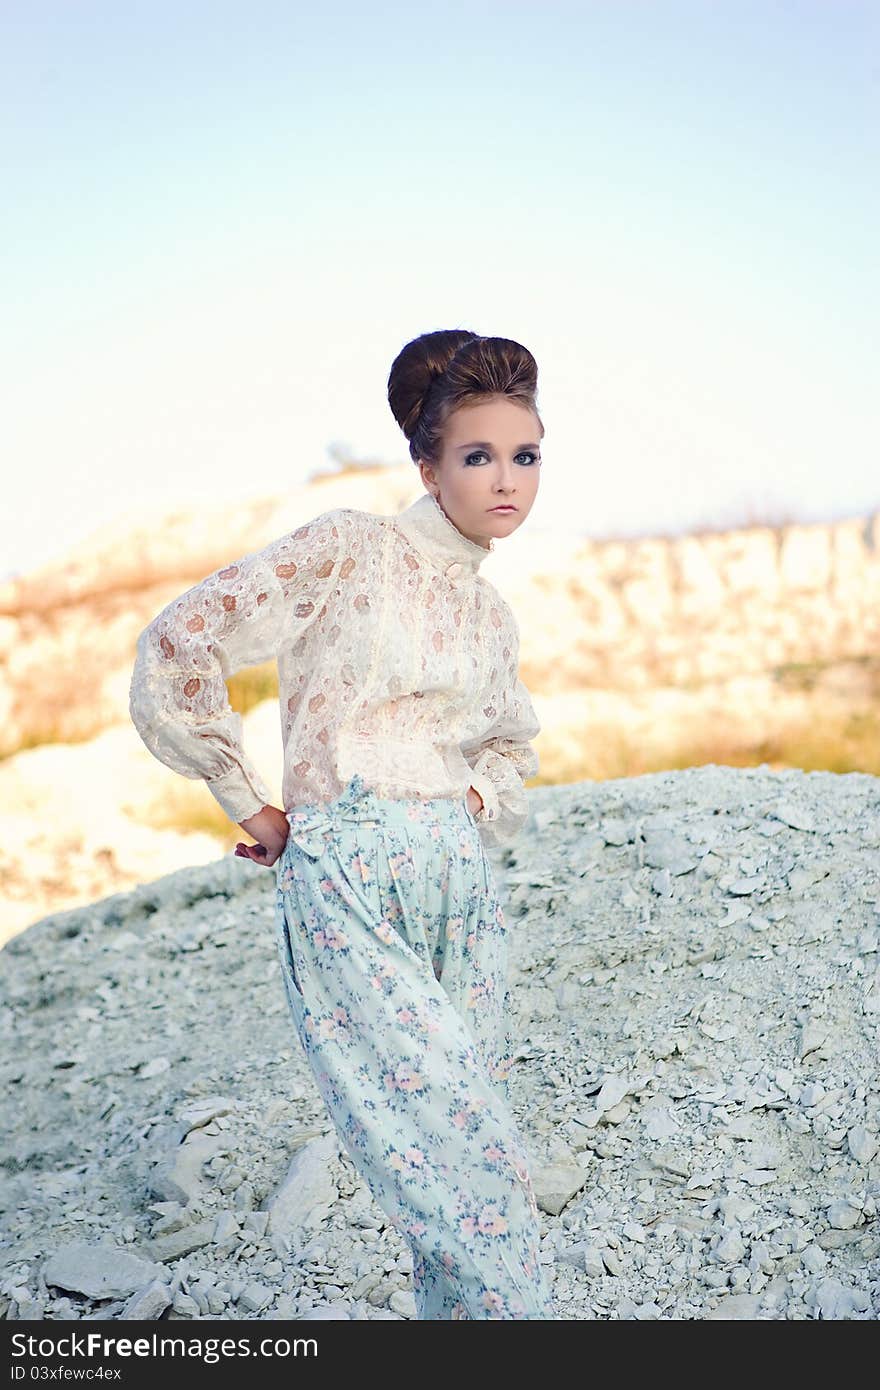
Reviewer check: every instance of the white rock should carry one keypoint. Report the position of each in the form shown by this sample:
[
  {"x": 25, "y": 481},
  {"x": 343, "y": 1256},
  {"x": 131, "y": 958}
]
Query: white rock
[
  {"x": 812, "y": 1093},
  {"x": 178, "y": 1175},
  {"x": 555, "y": 1184},
  {"x": 307, "y": 1191},
  {"x": 670, "y": 852},
  {"x": 730, "y": 1248},
  {"x": 225, "y": 1226},
  {"x": 661, "y": 882},
  {"x": 814, "y": 1259},
  {"x": 805, "y": 876},
  {"x": 615, "y": 831},
  {"x": 740, "y": 1307},
  {"x": 25, "y": 1307},
  {"x": 256, "y": 1222},
  {"x": 255, "y": 1296},
  {"x": 202, "y": 1111},
  {"x": 155, "y": 1067},
  {"x": 740, "y": 887},
  {"x": 148, "y": 1303},
  {"x": 403, "y": 1302},
  {"x": 618, "y": 1113},
  {"x": 183, "y": 1241},
  {"x": 659, "y": 1122},
  {"x": 593, "y": 1264},
  {"x": 797, "y": 817},
  {"x": 835, "y": 1300},
  {"x": 646, "y": 1311},
  {"x": 813, "y": 1035},
  {"x": 732, "y": 1207},
  {"x": 843, "y": 1215},
  {"x": 862, "y": 1144},
  {"x": 613, "y": 1090},
  {"x": 703, "y": 1180},
  {"x": 100, "y": 1270}
]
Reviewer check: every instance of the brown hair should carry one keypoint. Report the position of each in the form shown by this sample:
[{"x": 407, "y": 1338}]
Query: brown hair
[{"x": 438, "y": 372}]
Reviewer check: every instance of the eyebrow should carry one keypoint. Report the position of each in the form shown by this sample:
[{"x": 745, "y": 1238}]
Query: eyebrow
[{"x": 483, "y": 444}]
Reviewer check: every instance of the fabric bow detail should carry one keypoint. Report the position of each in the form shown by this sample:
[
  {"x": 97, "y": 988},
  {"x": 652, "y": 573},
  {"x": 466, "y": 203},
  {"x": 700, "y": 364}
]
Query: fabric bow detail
[
  {"x": 312, "y": 827},
  {"x": 309, "y": 830}
]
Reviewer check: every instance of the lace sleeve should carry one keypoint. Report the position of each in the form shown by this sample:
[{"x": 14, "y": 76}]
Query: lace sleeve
[
  {"x": 503, "y": 757},
  {"x": 235, "y": 618}
]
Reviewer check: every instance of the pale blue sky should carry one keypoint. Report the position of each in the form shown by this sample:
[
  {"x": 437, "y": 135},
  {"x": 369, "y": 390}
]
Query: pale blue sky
[{"x": 221, "y": 222}]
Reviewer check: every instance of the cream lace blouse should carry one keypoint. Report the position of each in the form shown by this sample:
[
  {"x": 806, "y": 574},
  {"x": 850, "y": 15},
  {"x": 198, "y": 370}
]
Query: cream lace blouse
[{"x": 396, "y": 659}]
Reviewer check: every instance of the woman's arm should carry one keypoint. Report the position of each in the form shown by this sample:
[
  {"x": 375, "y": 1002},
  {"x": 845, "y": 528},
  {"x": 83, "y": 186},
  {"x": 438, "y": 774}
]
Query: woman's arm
[{"x": 236, "y": 617}]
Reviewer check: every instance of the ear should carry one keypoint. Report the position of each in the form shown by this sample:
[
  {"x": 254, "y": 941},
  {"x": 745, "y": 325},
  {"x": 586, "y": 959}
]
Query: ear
[{"x": 428, "y": 475}]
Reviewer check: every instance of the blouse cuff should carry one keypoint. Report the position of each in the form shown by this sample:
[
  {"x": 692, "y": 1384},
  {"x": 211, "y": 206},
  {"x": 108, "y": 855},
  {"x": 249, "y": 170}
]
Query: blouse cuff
[
  {"x": 489, "y": 793},
  {"x": 239, "y": 796}
]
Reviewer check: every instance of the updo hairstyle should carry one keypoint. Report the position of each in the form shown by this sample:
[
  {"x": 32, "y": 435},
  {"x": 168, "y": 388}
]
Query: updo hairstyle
[{"x": 437, "y": 373}]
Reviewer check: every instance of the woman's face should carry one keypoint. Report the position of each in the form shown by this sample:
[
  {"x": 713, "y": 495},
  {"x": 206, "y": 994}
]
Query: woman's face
[{"x": 491, "y": 455}]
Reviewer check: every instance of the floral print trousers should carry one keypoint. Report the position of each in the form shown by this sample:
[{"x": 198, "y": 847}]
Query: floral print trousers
[{"x": 393, "y": 949}]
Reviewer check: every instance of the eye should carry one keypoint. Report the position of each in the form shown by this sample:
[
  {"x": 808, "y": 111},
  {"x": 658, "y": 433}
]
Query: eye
[{"x": 529, "y": 454}]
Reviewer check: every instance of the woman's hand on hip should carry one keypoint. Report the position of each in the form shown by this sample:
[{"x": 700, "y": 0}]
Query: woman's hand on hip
[
  {"x": 270, "y": 828},
  {"x": 474, "y": 800}
]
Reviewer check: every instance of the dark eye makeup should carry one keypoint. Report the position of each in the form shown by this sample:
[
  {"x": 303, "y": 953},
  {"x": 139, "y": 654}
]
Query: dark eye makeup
[{"x": 526, "y": 453}]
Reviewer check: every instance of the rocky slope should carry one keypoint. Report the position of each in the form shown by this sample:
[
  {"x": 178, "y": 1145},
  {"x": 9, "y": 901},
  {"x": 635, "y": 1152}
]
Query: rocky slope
[{"x": 696, "y": 986}]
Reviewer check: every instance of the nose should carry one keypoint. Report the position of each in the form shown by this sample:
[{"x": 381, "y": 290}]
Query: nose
[{"x": 506, "y": 481}]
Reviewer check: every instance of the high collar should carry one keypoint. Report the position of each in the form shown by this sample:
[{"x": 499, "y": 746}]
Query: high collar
[{"x": 426, "y": 525}]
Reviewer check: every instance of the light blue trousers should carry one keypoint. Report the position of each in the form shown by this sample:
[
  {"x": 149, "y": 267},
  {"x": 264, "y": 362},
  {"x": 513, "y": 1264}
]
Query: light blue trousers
[{"x": 393, "y": 949}]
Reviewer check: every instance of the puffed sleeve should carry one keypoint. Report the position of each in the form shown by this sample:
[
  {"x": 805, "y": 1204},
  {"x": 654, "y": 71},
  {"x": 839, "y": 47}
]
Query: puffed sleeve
[
  {"x": 236, "y": 617},
  {"x": 503, "y": 757}
]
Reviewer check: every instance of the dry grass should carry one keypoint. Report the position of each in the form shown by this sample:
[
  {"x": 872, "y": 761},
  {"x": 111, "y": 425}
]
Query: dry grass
[
  {"x": 250, "y": 687},
  {"x": 849, "y": 743},
  {"x": 188, "y": 806}
]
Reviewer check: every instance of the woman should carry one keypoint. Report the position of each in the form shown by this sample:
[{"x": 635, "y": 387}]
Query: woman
[{"x": 406, "y": 736}]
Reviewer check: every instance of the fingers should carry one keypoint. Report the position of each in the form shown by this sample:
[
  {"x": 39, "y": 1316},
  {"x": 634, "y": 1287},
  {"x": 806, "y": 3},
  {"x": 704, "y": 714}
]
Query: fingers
[{"x": 258, "y": 853}]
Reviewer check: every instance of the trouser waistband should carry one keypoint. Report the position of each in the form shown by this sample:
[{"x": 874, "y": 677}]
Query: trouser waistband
[{"x": 359, "y": 803}]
